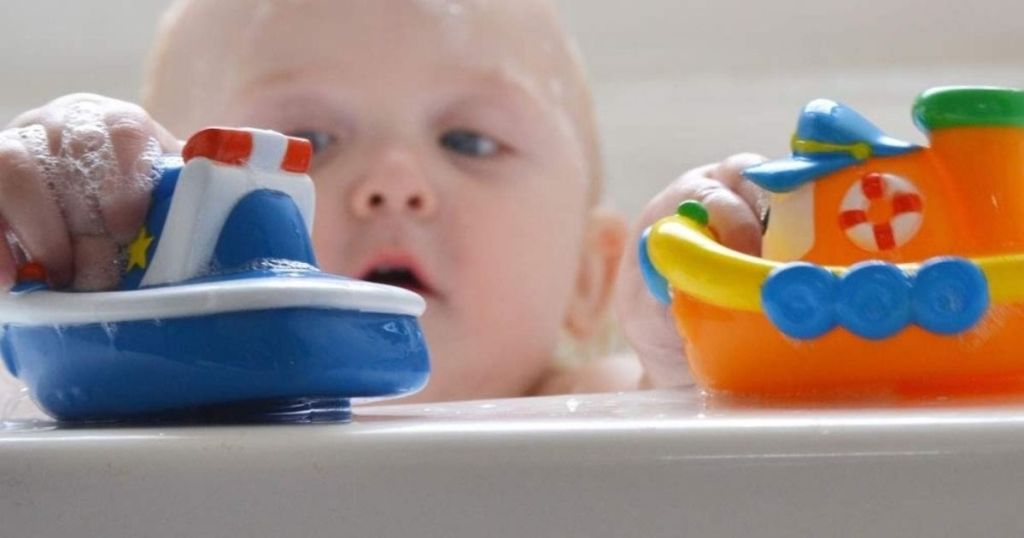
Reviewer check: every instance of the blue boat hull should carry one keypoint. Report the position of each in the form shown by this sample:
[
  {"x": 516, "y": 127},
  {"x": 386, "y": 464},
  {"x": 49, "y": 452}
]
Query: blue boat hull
[{"x": 290, "y": 364}]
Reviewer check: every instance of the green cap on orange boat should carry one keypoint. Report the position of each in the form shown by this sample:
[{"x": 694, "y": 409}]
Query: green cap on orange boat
[{"x": 969, "y": 106}]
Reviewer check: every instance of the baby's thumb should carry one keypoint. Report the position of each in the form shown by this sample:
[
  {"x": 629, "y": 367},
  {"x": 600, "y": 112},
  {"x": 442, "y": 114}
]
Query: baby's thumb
[
  {"x": 730, "y": 216},
  {"x": 737, "y": 227}
]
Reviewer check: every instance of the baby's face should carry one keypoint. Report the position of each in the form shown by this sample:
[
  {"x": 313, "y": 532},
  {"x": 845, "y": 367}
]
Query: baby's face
[{"x": 449, "y": 160}]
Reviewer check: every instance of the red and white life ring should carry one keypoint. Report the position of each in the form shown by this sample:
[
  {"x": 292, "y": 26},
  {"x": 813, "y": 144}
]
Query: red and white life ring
[{"x": 905, "y": 212}]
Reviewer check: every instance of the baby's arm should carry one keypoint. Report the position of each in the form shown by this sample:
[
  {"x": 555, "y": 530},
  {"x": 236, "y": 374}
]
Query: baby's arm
[
  {"x": 75, "y": 179},
  {"x": 735, "y": 208}
]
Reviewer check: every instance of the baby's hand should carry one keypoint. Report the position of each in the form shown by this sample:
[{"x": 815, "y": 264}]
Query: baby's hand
[
  {"x": 735, "y": 206},
  {"x": 75, "y": 179}
]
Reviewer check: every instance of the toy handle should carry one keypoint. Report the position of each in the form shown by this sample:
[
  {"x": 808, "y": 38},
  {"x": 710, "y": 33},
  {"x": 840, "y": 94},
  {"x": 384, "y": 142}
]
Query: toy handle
[
  {"x": 30, "y": 276},
  {"x": 658, "y": 287},
  {"x": 656, "y": 283}
]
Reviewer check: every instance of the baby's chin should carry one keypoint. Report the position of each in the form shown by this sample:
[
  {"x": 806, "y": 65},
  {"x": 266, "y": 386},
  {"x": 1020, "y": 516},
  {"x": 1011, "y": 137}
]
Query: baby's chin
[
  {"x": 461, "y": 374},
  {"x": 447, "y": 392}
]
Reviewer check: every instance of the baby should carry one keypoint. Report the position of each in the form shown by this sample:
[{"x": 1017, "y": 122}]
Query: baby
[{"x": 455, "y": 155}]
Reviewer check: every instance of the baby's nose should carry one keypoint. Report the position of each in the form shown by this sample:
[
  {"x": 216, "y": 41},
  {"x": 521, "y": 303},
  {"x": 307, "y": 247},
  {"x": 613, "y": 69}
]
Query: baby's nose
[{"x": 394, "y": 184}]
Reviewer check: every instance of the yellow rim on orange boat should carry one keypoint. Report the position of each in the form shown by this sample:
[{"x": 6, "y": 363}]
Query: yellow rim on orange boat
[{"x": 694, "y": 263}]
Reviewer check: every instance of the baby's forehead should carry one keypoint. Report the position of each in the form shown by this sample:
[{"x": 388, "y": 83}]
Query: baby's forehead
[
  {"x": 395, "y": 33},
  {"x": 224, "y": 46},
  {"x": 280, "y": 35}
]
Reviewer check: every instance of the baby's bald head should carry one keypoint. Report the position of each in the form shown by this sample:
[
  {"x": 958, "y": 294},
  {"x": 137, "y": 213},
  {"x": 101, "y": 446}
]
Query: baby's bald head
[{"x": 209, "y": 51}]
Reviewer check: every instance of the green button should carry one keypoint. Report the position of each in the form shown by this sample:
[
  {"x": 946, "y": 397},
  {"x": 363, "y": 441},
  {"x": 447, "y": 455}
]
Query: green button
[{"x": 693, "y": 210}]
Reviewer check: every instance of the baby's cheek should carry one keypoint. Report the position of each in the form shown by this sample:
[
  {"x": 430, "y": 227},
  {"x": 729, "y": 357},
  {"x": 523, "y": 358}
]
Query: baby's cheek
[
  {"x": 519, "y": 271},
  {"x": 534, "y": 263},
  {"x": 330, "y": 226},
  {"x": 524, "y": 241}
]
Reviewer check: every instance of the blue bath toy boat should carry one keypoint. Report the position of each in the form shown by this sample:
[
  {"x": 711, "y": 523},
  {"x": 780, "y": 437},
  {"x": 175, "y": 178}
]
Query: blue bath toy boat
[{"x": 222, "y": 315}]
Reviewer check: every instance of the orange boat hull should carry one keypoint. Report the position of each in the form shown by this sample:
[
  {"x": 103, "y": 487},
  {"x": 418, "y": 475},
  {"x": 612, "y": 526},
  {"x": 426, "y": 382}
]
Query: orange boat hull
[{"x": 743, "y": 353}]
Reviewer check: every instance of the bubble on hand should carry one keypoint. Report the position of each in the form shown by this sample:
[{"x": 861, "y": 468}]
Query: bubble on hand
[
  {"x": 14, "y": 247},
  {"x": 144, "y": 174},
  {"x": 86, "y": 155},
  {"x": 33, "y": 138},
  {"x": 84, "y": 167}
]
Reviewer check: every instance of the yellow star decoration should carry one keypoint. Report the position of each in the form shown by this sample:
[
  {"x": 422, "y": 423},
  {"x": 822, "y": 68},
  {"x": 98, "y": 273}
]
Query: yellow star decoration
[{"x": 137, "y": 250}]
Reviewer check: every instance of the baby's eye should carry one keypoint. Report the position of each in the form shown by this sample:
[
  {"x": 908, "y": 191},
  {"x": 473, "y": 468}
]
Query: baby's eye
[
  {"x": 470, "y": 143},
  {"x": 321, "y": 140}
]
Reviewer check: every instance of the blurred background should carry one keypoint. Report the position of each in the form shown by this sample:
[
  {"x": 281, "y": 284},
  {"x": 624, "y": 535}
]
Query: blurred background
[{"x": 677, "y": 83}]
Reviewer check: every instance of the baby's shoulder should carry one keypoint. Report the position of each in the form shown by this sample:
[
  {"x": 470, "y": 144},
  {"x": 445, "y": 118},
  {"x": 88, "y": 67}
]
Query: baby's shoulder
[{"x": 614, "y": 373}]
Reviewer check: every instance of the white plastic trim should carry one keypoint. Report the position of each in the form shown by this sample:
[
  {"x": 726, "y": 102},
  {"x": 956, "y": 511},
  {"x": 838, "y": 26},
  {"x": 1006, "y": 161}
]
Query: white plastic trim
[
  {"x": 205, "y": 195},
  {"x": 64, "y": 308},
  {"x": 268, "y": 150}
]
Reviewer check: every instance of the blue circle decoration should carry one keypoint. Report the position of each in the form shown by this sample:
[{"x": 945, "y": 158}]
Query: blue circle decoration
[
  {"x": 656, "y": 284},
  {"x": 873, "y": 300},
  {"x": 950, "y": 295},
  {"x": 798, "y": 298}
]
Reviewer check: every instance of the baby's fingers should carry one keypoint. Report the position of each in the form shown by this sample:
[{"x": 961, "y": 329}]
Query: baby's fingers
[
  {"x": 97, "y": 265},
  {"x": 96, "y": 156},
  {"x": 8, "y": 266},
  {"x": 730, "y": 173},
  {"x": 29, "y": 209},
  {"x": 735, "y": 204},
  {"x": 731, "y": 217},
  {"x": 136, "y": 141}
]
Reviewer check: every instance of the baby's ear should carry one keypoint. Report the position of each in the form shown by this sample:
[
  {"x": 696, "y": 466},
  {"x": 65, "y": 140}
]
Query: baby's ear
[{"x": 603, "y": 247}]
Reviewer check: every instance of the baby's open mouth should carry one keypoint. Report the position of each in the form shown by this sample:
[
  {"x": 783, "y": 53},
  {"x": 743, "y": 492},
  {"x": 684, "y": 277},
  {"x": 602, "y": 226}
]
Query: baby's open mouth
[{"x": 400, "y": 276}]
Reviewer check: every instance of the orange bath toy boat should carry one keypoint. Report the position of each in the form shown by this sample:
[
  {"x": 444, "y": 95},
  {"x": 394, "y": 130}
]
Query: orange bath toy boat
[{"x": 887, "y": 268}]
